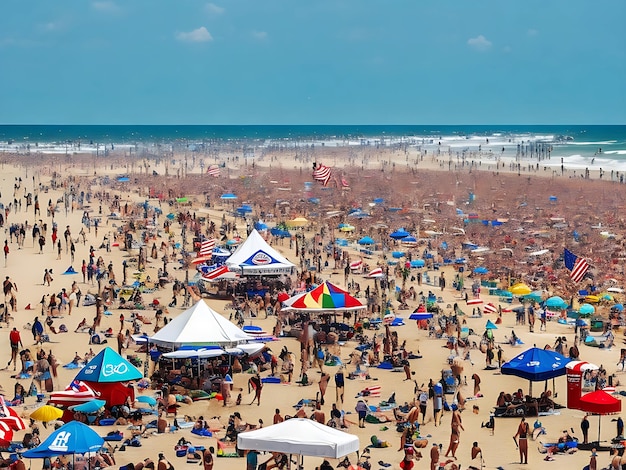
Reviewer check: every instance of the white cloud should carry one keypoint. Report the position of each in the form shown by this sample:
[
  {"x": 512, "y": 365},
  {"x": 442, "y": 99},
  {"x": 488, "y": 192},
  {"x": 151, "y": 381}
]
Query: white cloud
[
  {"x": 213, "y": 9},
  {"x": 105, "y": 6},
  {"x": 259, "y": 35},
  {"x": 197, "y": 35},
  {"x": 532, "y": 32},
  {"x": 480, "y": 43}
]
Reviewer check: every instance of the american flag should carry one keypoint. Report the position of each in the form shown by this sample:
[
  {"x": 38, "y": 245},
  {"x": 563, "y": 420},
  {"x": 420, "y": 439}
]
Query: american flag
[
  {"x": 206, "y": 247},
  {"x": 216, "y": 273},
  {"x": 213, "y": 170},
  {"x": 578, "y": 267},
  {"x": 323, "y": 174}
]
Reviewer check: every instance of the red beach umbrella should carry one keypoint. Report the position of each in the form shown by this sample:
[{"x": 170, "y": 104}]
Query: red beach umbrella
[
  {"x": 600, "y": 403},
  {"x": 474, "y": 301}
]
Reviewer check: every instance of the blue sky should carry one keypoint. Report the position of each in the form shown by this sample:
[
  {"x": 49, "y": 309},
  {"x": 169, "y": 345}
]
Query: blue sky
[{"x": 312, "y": 62}]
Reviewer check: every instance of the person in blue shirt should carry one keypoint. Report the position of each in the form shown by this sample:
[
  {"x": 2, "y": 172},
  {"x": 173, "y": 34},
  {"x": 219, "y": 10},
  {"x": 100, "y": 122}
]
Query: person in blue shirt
[{"x": 252, "y": 460}]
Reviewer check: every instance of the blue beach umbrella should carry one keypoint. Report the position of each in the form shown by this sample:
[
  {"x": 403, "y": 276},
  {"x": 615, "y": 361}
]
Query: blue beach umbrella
[
  {"x": 481, "y": 270},
  {"x": 397, "y": 254},
  {"x": 109, "y": 367},
  {"x": 399, "y": 234},
  {"x": 420, "y": 316},
  {"x": 618, "y": 307},
  {"x": 146, "y": 399},
  {"x": 586, "y": 309},
  {"x": 378, "y": 200},
  {"x": 71, "y": 438},
  {"x": 418, "y": 263},
  {"x": 556, "y": 302},
  {"x": 89, "y": 406},
  {"x": 409, "y": 239},
  {"x": 366, "y": 241},
  {"x": 228, "y": 197}
]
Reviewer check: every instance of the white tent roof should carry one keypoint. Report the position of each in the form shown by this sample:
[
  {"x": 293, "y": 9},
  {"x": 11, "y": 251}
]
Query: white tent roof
[
  {"x": 200, "y": 325},
  {"x": 255, "y": 257},
  {"x": 300, "y": 436}
]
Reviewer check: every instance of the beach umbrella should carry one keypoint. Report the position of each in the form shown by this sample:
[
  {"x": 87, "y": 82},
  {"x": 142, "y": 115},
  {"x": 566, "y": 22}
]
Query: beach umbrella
[
  {"x": 420, "y": 315},
  {"x": 586, "y": 309},
  {"x": 347, "y": 228},
  {"x": 556, "y": 302},
  {"x": 244, "y": 209},
  {"x": 378, "y": 200},
  {"x": 146, "y": 399},
  {"x": 109, "y": 367},
  {"x": 490, "y": 325},
  {"x": 181, "y": 199},
  {"x": 601, "y": 403},
  {"x": 228, "y": 197},
  {"x": 398, "y": 234},
  {"x": 71, "y": 438},
  {"x": 376, "y": 273},
  {"x": 283, "y": 296},
  {"x": 474, "y": 301},
  {"x": 326, "y": 297},
  {"x": 6, "y": 434},
  {"x": 520, "y": 289},
  {"x": 417, "y": 263},
  {"x": 366, "y": 241},
  {"x": 490, "y": 308},
  {"x": 46, "y": 413},
  {"x": 481, "y": 270},
  {"x": 535, "y": 296},
  {"x": 398, "y": 254},
  {"x": 536, "y": 365},
  {"x": 618, "y": 307},
  {"x": 171, "y": 216},
  {"x": 89, "y": 406},
  {"x": 593, "y": 299},
  {"x": 615, "y": 290}
]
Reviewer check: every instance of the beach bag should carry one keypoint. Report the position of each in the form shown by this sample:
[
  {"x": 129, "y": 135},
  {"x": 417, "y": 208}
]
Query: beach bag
[{"x": 320, "y": 354}]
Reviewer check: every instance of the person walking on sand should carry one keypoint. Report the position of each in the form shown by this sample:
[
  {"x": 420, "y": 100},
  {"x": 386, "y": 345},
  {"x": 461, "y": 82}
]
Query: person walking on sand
[
  {"x": 323, "y": 385},
  {"x": 584, "y": 427},
  {"x": 434, "y": 457},
  {"x": 455, "y": 434},
  {"x": 257, "y": 384},
  {"x": 207, "y": 458},
  {"x": 16, "y": 342},
  {"x": 522, "y": 445},
  {"x": 6, "y": 252}
]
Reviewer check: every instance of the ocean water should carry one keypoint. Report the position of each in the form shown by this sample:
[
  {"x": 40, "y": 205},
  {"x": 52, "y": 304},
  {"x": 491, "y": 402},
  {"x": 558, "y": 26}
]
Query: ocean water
[{"x": 598, "y": 146}]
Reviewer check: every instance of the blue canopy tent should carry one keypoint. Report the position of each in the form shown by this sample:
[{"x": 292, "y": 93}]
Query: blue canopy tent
[
  {"x": 71, "y": 438},
  {"x": 536, "y": 365}
]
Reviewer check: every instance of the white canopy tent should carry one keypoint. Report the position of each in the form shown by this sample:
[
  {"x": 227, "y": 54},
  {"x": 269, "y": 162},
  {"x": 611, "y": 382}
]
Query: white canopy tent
[
  {"x": 200, "y": 325},
  {"x": 302, "y": 437},
  {"x": 255, "y": 257}
]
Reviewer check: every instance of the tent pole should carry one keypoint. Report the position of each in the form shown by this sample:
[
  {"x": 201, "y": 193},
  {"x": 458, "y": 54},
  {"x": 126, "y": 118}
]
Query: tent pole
[
  {"x": 530, "y": 389},
  {"x": 599, "y": 421}
]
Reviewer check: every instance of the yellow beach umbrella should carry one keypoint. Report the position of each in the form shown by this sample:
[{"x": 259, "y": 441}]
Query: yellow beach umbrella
[
  {"x": 520, "y": 289},
  {"x": 46, "y": 413},
  {"x": 592, "y": 299}
]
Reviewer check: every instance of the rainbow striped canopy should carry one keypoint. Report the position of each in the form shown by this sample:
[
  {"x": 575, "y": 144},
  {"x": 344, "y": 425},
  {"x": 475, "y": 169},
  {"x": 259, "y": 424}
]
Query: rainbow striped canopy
[{"x": 325, "y": 297}]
